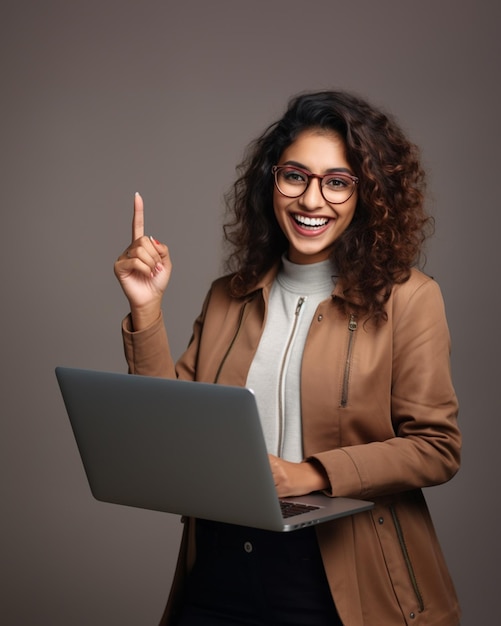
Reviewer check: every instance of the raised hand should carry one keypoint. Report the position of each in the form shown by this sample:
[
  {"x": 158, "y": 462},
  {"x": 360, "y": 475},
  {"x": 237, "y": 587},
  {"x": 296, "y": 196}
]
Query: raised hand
[{"x": 143, "y": 271}]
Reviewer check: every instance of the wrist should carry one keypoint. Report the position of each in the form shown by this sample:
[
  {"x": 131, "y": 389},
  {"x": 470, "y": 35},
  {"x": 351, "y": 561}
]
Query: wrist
[
  {"x": 317, "y": 475},
  {"x": 144, "y": 317}
]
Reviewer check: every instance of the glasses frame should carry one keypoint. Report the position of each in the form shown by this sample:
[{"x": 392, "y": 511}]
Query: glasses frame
[{"x": 276, "y": 169}]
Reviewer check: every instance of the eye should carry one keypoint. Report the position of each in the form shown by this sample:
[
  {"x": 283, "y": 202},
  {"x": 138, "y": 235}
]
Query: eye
[
  {"x": 337, "y": 181},
  {"x": 293, "y": 176}
]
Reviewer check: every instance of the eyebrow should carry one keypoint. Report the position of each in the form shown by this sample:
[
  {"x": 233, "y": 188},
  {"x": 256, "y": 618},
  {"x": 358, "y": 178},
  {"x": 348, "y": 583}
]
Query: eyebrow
[{"x": 329, "y": 171}]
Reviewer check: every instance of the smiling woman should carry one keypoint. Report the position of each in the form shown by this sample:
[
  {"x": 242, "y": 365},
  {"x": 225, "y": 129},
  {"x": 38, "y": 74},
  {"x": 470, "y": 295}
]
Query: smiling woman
[
  {"x": 385, "y": 236},
  {"x": 322, "y": 310},
  {"x": 314, "y": 216}
]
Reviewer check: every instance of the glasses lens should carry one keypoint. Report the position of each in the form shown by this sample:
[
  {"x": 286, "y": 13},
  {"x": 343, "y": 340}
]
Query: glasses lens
[
  {"x": 291, "y": 182},
  {"x": 337, "y": 188}
]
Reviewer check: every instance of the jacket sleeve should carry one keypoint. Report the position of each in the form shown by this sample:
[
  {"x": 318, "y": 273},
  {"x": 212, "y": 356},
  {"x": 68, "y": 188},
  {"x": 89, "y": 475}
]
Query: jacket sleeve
[
  {"x": 425, "y": 448},
  {"x": 148, "y": 353}
]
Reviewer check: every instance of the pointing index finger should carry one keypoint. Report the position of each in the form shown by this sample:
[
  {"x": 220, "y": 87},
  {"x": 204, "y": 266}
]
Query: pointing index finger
[{"x": 138, "y": 219}]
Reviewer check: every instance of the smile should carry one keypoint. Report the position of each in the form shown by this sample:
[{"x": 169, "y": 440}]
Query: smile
[{"x": 310, "y": 222}]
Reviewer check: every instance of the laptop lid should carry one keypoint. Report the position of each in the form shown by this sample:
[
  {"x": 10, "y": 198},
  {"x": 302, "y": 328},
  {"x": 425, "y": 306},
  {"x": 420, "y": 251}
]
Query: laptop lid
[{"x": 181, "y": 447}]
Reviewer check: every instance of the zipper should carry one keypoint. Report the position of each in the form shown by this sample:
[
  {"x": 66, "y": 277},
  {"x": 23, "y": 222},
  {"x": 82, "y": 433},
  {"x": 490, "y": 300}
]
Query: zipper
[
  {"x": 232, "y": 342},
  {"x": 281, "y": 381},
  {"x": 352, "y": 327},
  {"x": 408, "y": 563}
]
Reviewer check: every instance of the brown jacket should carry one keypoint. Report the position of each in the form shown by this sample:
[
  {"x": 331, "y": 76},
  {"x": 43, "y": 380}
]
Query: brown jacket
[{"x": 378, "y": 412}]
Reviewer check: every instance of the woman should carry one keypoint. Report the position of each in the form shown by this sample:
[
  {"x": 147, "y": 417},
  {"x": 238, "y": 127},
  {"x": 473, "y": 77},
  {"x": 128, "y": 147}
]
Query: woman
[{"x": 346, "y": 346}]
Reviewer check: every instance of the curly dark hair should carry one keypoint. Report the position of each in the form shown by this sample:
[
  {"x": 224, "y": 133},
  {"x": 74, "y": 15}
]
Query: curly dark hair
[{"x": 384, "y": 239}]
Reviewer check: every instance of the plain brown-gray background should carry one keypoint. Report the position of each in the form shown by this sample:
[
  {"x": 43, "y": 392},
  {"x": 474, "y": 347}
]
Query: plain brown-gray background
[{"x": 103, "y": 98}]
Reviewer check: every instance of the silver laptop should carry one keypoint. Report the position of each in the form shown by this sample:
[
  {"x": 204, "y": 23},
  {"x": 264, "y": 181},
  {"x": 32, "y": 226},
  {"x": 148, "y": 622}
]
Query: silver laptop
[{"x": 183, "y": 447}]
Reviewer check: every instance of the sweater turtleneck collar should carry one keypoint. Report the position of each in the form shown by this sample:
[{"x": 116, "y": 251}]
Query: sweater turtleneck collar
[{"x": 307, "y": 278}]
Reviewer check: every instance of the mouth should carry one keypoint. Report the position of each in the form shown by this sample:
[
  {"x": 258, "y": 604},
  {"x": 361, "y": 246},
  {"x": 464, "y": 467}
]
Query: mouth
[{"x": 310, "y": 223}]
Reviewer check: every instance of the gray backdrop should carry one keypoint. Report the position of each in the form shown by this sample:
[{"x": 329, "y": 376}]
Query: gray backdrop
[{"x": 103, "y": 98}]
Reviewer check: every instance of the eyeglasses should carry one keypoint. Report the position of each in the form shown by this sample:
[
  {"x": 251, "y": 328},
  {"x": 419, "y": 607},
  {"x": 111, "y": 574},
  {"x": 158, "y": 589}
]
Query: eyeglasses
[{"x": 292, "y": 182}]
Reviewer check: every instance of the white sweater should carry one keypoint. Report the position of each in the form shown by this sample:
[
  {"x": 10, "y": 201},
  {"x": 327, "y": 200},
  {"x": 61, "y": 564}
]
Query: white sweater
[{"x": 274, "y": 375}]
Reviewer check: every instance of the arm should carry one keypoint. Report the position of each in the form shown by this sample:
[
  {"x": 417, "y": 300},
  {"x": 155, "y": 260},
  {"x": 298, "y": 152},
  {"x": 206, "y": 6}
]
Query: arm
[
  {"x": 415, "y": 441},
  {"x": 143, "y": 271},
  {"x": 424, "y": 445}
]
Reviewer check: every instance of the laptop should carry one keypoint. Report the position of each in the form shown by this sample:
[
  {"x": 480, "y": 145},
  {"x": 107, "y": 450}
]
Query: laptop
[{"x": 183, "y": 447}]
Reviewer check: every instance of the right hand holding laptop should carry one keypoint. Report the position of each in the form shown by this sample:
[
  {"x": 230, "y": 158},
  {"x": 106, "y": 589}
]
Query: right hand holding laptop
[
  {"x": 143, "y": 271},
  {"x": 297, "y": 479}
]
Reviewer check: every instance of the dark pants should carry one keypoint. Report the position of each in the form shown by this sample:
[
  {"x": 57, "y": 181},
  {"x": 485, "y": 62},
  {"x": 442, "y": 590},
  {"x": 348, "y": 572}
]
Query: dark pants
[{"x": 257, "y": 578}]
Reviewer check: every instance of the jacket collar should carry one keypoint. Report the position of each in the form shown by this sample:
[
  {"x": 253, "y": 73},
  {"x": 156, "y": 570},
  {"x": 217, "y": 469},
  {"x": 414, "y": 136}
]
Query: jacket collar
[{"x": 266, "y": 280}]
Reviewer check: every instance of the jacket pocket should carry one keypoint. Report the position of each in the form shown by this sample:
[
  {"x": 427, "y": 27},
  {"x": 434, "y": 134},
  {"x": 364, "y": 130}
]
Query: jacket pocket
[
  {"x": 352, "y": 327},
  {"x": 406, "y": 556}
]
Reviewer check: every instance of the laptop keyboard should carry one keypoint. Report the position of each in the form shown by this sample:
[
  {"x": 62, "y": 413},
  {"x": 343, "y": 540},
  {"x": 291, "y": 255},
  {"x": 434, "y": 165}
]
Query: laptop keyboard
[{"x": 295, "y": 508}]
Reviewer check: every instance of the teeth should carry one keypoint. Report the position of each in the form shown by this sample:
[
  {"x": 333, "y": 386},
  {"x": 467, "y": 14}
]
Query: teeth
[{"x": 311, "y": 221}]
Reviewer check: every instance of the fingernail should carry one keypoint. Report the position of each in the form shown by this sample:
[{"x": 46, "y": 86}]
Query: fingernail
[
  {"x": 159, "y": 267},
  {"x": 154, "y": 240}
]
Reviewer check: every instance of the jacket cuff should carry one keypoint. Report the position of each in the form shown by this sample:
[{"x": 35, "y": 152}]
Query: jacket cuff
[
  {"x": 341, "y": 471},
  {"x": 147, "y": 351}
]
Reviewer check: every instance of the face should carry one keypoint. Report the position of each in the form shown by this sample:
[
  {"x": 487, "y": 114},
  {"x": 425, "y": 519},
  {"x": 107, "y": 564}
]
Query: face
[{"x": 311, "y": 224}]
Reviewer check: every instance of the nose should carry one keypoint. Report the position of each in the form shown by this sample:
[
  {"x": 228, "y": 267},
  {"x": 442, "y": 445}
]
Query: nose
[{"x": 312, "y": 198}]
